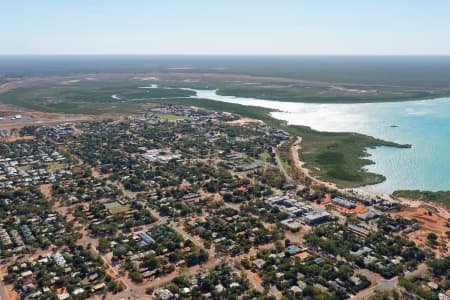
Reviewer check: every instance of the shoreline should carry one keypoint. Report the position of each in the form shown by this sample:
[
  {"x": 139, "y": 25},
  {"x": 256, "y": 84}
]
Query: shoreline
[
  {"x": 352, "y": 101},
  {"x": 299, "y": 164},
  {"x": 364, "y": 143},
  {"x": 439, "y": 208}
]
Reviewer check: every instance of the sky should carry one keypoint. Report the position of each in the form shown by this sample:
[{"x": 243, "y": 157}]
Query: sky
[{"x": 225, "y": 27}]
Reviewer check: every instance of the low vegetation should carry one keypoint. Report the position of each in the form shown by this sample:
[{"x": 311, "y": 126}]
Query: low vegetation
[
  {"x": 328, "y": 94},
  {"x": 442, "y": 197},
  {"x": 88, "y": 96},
  {"x": 335, "y": 157}
]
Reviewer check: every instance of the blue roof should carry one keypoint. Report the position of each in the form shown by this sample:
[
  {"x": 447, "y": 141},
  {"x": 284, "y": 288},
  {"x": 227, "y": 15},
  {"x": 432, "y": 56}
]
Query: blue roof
[{"x": 294, "y": 249}]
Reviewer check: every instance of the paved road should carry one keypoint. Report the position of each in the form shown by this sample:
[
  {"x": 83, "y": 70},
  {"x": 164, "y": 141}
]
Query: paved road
[
  {"x": 280, "y": 163},
  {"x": 6, "y": 262},
  {"x": 3, "y": 291},
  {"x": 382, "y": 284},
  {"x": 138, "y": 291},
  {"x": 377, "y": 284},
  {"x": 186, "y": 235}
]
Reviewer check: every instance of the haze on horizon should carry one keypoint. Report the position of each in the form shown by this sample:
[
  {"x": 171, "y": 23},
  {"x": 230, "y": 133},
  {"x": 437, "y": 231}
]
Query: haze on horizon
[{"x": 232, "y": 27}]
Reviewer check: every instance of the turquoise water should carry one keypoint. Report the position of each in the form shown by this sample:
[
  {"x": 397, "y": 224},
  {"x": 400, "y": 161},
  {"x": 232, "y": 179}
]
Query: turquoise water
[{"x": 423, "y": 124}]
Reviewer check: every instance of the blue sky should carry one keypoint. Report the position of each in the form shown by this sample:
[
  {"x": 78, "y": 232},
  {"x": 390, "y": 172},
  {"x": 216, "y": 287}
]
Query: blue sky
[{"x": 224, "y": 27}]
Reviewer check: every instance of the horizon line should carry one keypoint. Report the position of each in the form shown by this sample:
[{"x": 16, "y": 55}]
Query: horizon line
[{"x": 219, "y": 54}]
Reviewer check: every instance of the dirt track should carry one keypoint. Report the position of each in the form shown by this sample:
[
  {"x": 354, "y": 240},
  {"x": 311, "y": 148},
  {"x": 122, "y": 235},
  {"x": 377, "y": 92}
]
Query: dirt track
[
  {"x": 300, "y": 165},
  {"x": 429, "y": 223},
  {"x": 29, "y": 117}
]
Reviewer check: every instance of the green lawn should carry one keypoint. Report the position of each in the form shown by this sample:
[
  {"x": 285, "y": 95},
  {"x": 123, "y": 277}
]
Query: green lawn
[
  {"x": 119, "y": 209},
  {"x": 264, "y": 157},
  {"x": 54, "y": 166},
  {"x": 116, "y": 208},
  {"x": 171, "y": 117},
  {"x": 113, "y": 204}
]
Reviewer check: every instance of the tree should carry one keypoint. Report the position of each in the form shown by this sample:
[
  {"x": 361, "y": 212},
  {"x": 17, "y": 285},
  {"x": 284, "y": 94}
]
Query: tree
[
  {"x": 136, "y": 276},
  {"x": 103, "y": 245},
  {"x": 119, "y": 250},
  {"x": 287, "y": 242},
  {"x": 440, "y": 267},
  {"x": 150, "y": 261},
  {"x": 432, "y": 238},
  {"x": 227, "y": 197}
]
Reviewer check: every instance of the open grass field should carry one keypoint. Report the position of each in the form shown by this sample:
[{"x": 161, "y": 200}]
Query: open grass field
[
  {"x": 171, "y": 118},
  {"x": 55, "y": 166},
  {"x": 111, "y": 205},
  {"x": 119, "y": 209},
  {"x": 116, "y": 208}
]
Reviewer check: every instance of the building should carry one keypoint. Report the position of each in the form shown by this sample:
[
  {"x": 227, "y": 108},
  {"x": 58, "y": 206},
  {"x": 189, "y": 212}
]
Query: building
[
  {"x": 294, "y": 249},
  {"x": 63, "y": 296},
  {"x": 191, "y": 197},
  {"x": 362, "y": 251},
  {"x": 59, "y": 259},
  {"x": 164, "y": 294},
  {"x": 99, "y": 287},
  {"x": 250, "y": 167},
  {"x": 259, "y": 263},
  {"x": 343, "y": 203},
  {"x": 370, "y": 215},
  {"x": 160, "y": 156},
  {"x": 5, "y": 238},
  {"x": 298, "y": 210},
  {"x": 292, "y": 224},
  {"x": 145, "y": 238},
  {"x": 234, "y": 156},
  {"x": 78, "y": 291},
  {"x": 433, "y": 285},
  {"x": 316, "y": 218},
  {"x": 358, "y": 230},
  {"x": 414, "y": 227},
  {"x": 276, "y": 200},
  {"x": 295, "y": 289},
  {"x": 319, "y": 260}
]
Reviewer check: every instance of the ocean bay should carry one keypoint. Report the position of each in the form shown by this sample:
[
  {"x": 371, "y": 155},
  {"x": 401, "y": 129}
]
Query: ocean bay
[{"x": 424, "y": 124}]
